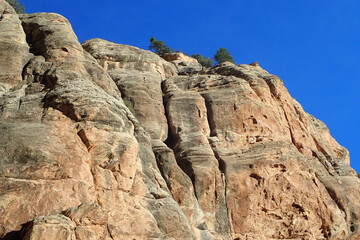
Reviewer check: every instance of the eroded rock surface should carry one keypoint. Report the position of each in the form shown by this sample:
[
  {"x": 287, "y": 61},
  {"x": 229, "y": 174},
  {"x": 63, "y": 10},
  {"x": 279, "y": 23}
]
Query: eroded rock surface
[
  {"x": 108, "y": 141},
  {"x": 68, "y": 139},
  {"x": 14, "y": 51},
  {"x": 184, "y": 64},
  {"x": 138, "y": 75}
]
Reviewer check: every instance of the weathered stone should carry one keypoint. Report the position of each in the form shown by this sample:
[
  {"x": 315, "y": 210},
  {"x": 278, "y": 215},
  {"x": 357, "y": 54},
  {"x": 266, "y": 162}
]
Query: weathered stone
[
  {"x": 55, "y": 227},
  {"x": 282, "y": 171},
  {"x": 68, "y": 139},
  {"x": 187, "y": 118},
  {"x": 85, "y": 151},
  {"x": 179, "y": 56},
  {"x": 181, "y": 188},
  {"x": 184, "y": 64},
  {"x": 14, "y": 51},
  {"x": 138, "y": 75},
  {"x": 118, "y": 56}
]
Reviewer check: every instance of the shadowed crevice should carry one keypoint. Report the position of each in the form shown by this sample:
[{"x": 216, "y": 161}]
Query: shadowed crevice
[
  {"x": 225, "y": 227},
  {"x": 171, "y": 140},
  {"x": 18, "y": 235}
]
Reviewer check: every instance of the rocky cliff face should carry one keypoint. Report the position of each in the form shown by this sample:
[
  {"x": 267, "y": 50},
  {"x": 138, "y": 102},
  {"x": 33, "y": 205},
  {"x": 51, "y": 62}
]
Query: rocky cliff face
[{"x": 108, "y": 141}]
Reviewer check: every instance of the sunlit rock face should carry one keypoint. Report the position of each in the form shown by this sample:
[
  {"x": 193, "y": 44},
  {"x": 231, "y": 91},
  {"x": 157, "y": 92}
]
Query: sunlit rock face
[{"x": 107, "y": 141}]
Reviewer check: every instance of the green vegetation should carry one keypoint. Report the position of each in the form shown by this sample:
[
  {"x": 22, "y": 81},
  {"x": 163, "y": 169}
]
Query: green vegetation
[
  {"x": 205, "y": 62},
  {"x": 223, "y": 55},
  {"x": 130, "y": 105},
  {"x": 159, "y": 46},
  {"x": 18, "y": 7}
]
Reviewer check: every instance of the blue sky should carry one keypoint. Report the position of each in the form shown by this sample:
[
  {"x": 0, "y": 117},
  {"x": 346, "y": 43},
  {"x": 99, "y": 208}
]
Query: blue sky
[{"x": 313, "y": 46}]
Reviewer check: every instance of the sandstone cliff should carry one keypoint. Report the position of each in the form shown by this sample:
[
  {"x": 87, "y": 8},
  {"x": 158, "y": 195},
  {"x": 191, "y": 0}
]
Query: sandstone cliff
[{"x": 107, "y": 141}]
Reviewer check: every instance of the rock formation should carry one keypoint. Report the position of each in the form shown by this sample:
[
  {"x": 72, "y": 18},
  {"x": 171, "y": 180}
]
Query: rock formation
[
  {"x": 107, "y": 141},
  {"x": 184, "y": 64}
]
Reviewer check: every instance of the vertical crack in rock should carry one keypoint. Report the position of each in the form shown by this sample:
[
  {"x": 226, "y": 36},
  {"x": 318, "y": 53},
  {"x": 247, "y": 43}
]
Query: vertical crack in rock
[
  {"x": 172, "y": 141},
  {"x": 336, "y": 199},
  {"x": 224, "y": 221},
  {"x": 293, "y": 140},
  {"x": 160, "y": 161},
  {"x": 109, "y": 231},
  {"x": 28, "y": 39},
  {"x": 84, "y": 139},
  {"x": 187, "y": 117},
  {"x": 20, "y": 101},
  {"x": 169, "y": 141},
  {"x": 210, "y": 116}
]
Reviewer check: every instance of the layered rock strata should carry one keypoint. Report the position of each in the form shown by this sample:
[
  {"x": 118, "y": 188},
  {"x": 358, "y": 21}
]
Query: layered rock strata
[{"x": 108, "y": 141}]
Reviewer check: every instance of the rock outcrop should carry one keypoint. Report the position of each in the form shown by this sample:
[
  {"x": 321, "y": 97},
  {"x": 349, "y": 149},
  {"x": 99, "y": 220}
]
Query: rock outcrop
[
  {"x": 107, "y": 141},
  {"x": 184, "y": 64}
]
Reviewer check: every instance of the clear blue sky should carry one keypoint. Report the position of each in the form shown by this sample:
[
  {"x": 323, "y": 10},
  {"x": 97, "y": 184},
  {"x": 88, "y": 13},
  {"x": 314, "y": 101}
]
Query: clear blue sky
[{"x": 314, "y": 46}]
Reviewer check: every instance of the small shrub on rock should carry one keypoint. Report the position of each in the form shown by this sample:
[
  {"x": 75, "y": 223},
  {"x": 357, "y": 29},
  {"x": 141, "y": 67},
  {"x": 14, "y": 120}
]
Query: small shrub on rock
[
  {"x": 205, "y": 62},
  {"x": 18, "y": 7},
  {"x": 223, "y": 55},
  {"x": 159, "y": 47}
]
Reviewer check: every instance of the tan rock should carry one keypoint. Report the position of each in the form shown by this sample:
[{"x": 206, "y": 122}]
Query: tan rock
[
  {"x": 112, "y": 56},
  {"x": 283, "y": 172},
  {"x": 184, "y": 64},
  {"x": 62, "y": 147},
  {"x": 187, "y": 118},
  {"x": 181, "y": 188},
  {"x": 255, "y": 64},
  {"x": 179, "y": 56},
  {"x": 138, "y": 75},
  {"x": 51, "y": 227},
  {"x": 86, "y": 152},
  {"x": 14, "y": 51}
]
